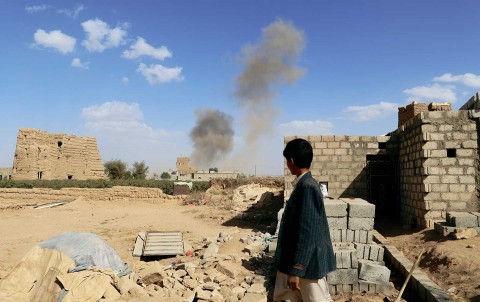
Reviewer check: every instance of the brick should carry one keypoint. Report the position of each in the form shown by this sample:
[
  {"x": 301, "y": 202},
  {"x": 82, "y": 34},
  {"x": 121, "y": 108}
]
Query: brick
[
  {"x": 370, "y": 271},
  {"x": 335, "y": 207},
  {"x": 358, "y": 207},
  {"x": 462, "y": 219},
  {"x": 355, "y": 223},
  {"x": 337, "y": 222},
  {"x": 346, "y": 256},
  {"x": 343, "y": 276}
]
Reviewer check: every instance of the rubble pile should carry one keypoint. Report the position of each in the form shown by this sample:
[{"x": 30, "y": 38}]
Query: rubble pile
[{"x": 208, "y": 275}]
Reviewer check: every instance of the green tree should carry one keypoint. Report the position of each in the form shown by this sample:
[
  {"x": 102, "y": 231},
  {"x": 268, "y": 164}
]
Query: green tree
[
  {"x": 115, "y": 169},
  {"x": 165, "y": 175},
  {"x": 139, "y": 170}
]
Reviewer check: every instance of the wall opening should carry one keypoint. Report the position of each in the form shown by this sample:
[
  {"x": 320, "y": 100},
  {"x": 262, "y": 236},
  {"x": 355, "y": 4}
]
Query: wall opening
[
  {"x": 382, "y": 145},
  {"x": 59, "y": 143},
  {"x": 451, "y": 152},
  {"x": 70, "y": 176},
  {"x": 39, "y": 174}
]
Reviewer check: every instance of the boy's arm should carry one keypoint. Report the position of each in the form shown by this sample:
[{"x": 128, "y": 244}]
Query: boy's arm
[{"x": 309, "y": 229}]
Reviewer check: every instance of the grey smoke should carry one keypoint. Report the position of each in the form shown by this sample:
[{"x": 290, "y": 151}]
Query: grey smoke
[
  {"x": 212, "y": 137},
  {"x": 269, "y": 63}
]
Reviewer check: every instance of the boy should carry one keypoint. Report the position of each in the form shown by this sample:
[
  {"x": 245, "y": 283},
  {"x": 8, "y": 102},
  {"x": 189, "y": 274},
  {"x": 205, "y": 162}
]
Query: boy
[{"x": 304, "y": 253}]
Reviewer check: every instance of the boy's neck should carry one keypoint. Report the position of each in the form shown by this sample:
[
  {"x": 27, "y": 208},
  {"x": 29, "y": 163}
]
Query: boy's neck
[{"x": 301, "y": 171}]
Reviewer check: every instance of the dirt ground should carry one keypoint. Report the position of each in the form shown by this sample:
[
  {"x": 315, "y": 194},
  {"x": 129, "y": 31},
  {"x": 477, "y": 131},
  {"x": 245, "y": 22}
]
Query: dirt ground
[{"x": 453, "y": 264}]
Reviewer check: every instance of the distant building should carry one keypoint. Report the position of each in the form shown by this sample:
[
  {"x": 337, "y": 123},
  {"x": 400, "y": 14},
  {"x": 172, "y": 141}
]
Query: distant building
[
  {"x": 183, "y": 166},
  {"x": 43, "y": 155},
  {"x": 5, "y": 173}
]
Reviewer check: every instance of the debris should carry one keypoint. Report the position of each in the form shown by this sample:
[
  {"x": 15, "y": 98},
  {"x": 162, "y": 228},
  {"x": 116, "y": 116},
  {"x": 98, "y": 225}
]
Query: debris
[
  {"x": 465, "y": 234},
  {"x": 49, "y": 205},
  {"x": 470, "y": 246}
]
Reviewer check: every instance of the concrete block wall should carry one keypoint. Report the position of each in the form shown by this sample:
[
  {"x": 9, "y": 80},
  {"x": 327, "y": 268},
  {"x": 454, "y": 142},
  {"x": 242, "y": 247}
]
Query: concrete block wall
[
  {"x": 340, "y": 161},
  {"x": 438, "y": 163}
]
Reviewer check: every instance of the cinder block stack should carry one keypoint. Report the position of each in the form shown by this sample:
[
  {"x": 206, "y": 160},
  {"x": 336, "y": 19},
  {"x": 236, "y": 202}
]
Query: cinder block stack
[{"x": 360, "y": 266}]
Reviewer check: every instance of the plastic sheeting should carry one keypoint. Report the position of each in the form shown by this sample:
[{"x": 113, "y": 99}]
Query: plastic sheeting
[{"x": 87, "y": 249}]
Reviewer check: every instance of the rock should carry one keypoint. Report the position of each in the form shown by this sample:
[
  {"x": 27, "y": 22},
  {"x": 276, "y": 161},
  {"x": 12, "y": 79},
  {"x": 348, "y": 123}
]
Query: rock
[
  {"x": 190, "y": 283},
  {"x": 220, "y": 278},
  {"x": 188, "y": 296},
  {"x": 257, "y": 288},
  {"x": 210, "y": 286},
  {"x": 255, "y": 247},
  {"x": 152, "y": 274},
  {"x": 211, "y": 251},
  {"x": 471, "y": 246},
  {"x": 254, "y": 298},
  {"x": 249, "y": 279},
  {"x": 179, "y": 274},
  {"x": 124, "y": 285},
  {"x": 228, "y": 269},
  {"x": 204, "y": 295},
  {"x": 216, "y": 297},
  {"x": 239, "y": 292},
  {"x": 465, "y": 234}
]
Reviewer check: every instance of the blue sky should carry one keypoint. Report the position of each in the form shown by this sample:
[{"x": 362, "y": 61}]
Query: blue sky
[{"x": 133, "y": 73}]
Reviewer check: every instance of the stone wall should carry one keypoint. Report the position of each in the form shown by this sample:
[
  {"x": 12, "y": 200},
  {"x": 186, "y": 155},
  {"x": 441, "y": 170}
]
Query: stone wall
[
  {"x": 340, "y": 161},
  {"x": 14, "y": 196},
  {"x": 43, "y": 155},
  {"x": 438, "y": 165}
]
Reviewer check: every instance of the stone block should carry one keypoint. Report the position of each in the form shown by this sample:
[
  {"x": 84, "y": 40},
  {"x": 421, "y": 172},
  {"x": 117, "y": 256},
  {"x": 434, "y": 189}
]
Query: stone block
[
  {"x": 355, "y": 223},
  {"x": 337, "y": 222},
  {"x": 370, "y": 271},
  {"x": 343, "y": 276},
  {"x": 462, "y": 219},
  {"x": 335, "y": 207},
  {"x": 358, "y": 207}
]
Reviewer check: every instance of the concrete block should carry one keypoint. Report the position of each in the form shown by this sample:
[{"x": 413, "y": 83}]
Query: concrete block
[
  {"x": 376, "y": 287},
  {"x": 343, "y": 276},
  {"x": 345, "y": 256},
  {"x": 337, "y": 222},
  {"x": 358, "y": 207},
  {"x": 370, "y": 271},
  {"x": 355, "y": 223},
  {"x": 372, "y": 252},
  {"x": 335, "y": 208},
  {"x": 478, "y": 217},
  {"x": 462, "y": 219}
]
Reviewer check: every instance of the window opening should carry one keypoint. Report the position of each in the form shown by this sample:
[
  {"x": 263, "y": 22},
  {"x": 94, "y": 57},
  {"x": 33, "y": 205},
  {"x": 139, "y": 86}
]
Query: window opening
[{"x": 451, "y": 152}]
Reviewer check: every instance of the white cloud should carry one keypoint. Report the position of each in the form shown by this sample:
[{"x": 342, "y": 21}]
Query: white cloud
[
  {"x": 100, "y": 36},
  {"x": 370, "y": 112},
  {"x": 36, "y": 8},
  {"x": 157, "y": 74},
  {"x": 77, "y": 63},
  {"x": 468, "y": 79},
  {"x": 56, "y": 40},
  {"x": 316, "y": 127},
  {"x": 119, "y": 120},
  {"x": 142, "y": 48},
  {"x": 72, "y": 13},
  {"x": 125, "y": 80},
  {"x": 433, "y": 93}
]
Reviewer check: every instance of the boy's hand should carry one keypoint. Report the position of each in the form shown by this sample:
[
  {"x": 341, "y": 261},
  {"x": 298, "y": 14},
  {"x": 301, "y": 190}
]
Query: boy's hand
[{"x": 292, "y": 282}]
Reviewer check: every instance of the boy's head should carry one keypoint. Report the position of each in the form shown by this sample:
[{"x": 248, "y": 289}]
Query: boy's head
[{"x": 300, "y": 152}]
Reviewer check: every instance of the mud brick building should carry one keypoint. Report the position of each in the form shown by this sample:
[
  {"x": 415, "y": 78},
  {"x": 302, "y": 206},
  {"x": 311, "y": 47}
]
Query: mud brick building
[
  {"x": 429, "y": 165},
  {"x": 43, "y": 155}
]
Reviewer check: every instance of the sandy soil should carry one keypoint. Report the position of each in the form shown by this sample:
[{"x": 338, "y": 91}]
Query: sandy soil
[{"x": 452, "y": 264}]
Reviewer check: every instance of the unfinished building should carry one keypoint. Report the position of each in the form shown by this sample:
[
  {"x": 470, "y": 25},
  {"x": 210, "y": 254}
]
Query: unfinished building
[
  {"x": 426, "y": 167},
  {"x": 43, "y": 155},
  {"x": 5, "y": 173}
]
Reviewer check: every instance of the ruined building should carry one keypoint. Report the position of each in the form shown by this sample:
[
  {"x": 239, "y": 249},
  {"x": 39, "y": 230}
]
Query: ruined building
[
  {"x": 426, "y": 167},
  {"x": 183, "y": 166},
  {"x": 43, "y": 155}
]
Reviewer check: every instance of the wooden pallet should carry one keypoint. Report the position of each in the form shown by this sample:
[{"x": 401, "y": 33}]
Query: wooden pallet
[{"x": 163, "y": 244}]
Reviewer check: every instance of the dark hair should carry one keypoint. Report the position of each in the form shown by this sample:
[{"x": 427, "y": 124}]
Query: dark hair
[{"x": 300, "y": 151}]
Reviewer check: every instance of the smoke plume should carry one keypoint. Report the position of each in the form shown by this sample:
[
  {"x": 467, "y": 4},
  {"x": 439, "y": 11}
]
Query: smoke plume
[
  {"x": 267, "y": 64},
  {"x": 212, "y": 137}
]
